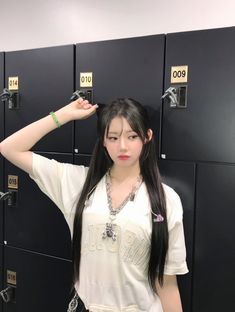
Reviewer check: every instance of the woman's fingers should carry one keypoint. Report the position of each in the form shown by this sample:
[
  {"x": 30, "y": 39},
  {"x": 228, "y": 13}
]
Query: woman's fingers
[
  {"x": 83, "y": 103},
  {"x": 82, "y": 109},
  {"x": 87, "y": 105},
  {"x": 87, "y": 110}
]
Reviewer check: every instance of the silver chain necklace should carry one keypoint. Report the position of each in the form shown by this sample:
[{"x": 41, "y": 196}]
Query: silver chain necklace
[{"x": 109, "y": 230}]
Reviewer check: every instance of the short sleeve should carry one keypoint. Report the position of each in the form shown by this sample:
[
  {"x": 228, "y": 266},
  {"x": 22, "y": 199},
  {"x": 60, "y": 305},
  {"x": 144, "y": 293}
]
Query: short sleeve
[
  {"x": 61, "y": 182},
  {"x": 176, "y": 256}
]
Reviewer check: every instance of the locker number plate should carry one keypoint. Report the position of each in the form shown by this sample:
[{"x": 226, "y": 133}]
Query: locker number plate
[
  {"x": 179, "y": 74},
  {"x": 13, "y": 83},
  {"x": 86, "y": 80},
  {"x": 13, "y": 182},
  {"x": 11, "y": 277}
]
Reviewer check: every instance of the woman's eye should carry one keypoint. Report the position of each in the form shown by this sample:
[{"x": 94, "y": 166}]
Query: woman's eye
[
  {"x": 112, "y": 138},
  {"x": 132, "y": 137}
]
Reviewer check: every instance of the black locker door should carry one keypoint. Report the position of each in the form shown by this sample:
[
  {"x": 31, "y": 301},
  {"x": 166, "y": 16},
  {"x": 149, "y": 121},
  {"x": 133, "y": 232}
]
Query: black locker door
[
  {"x": 36, "y": 223},
  {"x": 121, "y": 68},
  {"x": 1, "y": 171},
  {"x": 1, "y": 202},
  {"x": 43, "y": 283},
  {"x": 214, "y": 274},
  {"x": 1, "y": 138},
  {"x": 1, "y": 274},
  {"x": 46, "y": 82},
  {"x": 82, "y": 160},
  {"x": 1, "y": 90},
  {"x": 204, "y": 130},
  {"x": 181, "y": 177}
]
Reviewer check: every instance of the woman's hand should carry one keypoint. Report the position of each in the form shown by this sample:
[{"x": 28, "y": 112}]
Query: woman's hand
[{"x": 78, "y": 109}]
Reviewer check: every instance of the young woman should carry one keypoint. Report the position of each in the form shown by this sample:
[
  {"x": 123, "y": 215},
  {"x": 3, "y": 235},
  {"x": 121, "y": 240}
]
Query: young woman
[{"x": 128, "y": 240}]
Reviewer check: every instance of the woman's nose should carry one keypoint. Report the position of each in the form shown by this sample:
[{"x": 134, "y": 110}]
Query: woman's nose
[{"x": 122, "y": 144}]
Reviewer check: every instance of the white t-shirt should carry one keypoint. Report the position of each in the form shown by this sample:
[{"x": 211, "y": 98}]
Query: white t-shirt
[{"x": 113, "y": 273}]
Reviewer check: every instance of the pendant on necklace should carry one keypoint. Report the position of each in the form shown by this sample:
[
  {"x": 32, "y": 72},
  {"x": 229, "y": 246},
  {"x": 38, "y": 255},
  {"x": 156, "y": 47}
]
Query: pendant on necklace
[
  {"x": 73, "y": 304},
  {"x": 109, "y": 231}
]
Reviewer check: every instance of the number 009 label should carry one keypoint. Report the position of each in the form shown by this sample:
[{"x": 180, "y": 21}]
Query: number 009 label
[{"x": 179, "y": 74}]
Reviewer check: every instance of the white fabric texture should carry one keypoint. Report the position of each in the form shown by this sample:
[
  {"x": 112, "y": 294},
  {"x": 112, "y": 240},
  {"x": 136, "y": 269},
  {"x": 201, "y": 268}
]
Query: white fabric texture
[{"x": 113, "y": 273}]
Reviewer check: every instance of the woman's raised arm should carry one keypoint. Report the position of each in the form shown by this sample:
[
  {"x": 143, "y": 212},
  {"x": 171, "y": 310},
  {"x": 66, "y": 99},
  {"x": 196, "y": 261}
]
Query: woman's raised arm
[{"x": 16, "y": 148}]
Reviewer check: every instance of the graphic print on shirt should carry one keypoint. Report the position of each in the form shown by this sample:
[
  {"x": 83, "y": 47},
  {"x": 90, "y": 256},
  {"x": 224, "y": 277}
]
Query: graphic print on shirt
[{"x": 129, "y": 246}]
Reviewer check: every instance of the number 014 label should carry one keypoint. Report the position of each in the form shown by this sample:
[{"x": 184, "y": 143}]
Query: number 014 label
[
  {"x": 179, "y": 74},
  {"x": 13, "y": 83}
]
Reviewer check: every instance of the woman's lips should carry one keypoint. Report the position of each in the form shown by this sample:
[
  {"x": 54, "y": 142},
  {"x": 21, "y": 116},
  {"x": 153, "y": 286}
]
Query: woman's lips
[{"x": 123, "y": 157}]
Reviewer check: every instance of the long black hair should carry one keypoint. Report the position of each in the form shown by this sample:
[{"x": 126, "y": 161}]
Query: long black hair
[{"x": 136, "y": 115}]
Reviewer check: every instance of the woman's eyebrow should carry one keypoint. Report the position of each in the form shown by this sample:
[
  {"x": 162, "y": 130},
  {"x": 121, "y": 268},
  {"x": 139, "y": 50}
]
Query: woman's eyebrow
[{"x": 114, "y": 132}]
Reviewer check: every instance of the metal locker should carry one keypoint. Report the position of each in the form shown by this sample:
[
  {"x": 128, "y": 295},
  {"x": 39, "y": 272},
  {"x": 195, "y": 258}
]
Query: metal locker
[
  {"x": 1, "y": 138},
  {"x": 43, "y": 80},
  {"x": 107, "y": 70},
  {"x": 214, "y": 275},
  {"x": 82, "y": 160},
  {"x": 1, "y": 275},
  {"x": 1, "y": 199},
  {"x": 181, "y": 177},
  {"x": 201, "y": 65},
  {"x": 1, "y": 89},
  {"x": 39, "y": 282},
  {"x": 33, "y": 221}
]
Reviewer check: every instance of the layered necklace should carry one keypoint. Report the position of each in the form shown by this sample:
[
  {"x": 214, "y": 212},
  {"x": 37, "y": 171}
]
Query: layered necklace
[{"x": 109, "y": 230}]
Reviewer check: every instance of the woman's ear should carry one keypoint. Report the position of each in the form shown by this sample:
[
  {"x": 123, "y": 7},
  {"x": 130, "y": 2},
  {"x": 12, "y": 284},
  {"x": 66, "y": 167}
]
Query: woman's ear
[{"x": 149, "y": 135}]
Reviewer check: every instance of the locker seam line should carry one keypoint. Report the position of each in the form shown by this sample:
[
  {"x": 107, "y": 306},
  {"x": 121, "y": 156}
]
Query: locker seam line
[
  {"x": 4, "y": 174},
  {"x": 74, "y": 88},
  {"x": 38, "y": 253},
  {"x": 162, "y": 102},
  {"x": 194, "y": 236},
  {"x": 203, "y": 162},
  {"x": 4, "y": 135}
]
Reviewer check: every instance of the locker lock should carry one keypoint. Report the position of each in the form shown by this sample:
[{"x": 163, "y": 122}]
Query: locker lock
[
  {"x": 12, "y": 98},
  {"x": 4, "y": 196},
  {"x": 177, "y": 96},
  {"x": 85, "y": 94},
  {"x": 10, "y": 196},
  {"x": 7, "y": 294}
]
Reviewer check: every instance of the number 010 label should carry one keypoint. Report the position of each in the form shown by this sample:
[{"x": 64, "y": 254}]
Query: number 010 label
[
  {"x": 86, "y": 80},
  {"x": 179, "y": 74}
]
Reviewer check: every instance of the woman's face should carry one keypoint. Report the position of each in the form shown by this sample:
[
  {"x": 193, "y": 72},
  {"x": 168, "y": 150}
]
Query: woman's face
[{"x": 122, "y": 143}]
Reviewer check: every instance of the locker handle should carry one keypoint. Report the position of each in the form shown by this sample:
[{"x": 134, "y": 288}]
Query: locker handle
[
  {"x": 12, "y": 98},
  {"x": 170, "y": 94},
  {"x": 7, "y": 294},
  {"x": 85, "y": 94},
  {"x": 177, "y": 96},
  {"x": 11, "y": 197},
  {"x": 4, "y": 196}
]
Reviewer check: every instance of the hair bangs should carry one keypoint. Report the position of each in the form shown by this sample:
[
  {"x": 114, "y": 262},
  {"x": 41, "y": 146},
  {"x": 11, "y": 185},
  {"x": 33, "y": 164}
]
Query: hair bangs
[{"x": 122, "y": 108}]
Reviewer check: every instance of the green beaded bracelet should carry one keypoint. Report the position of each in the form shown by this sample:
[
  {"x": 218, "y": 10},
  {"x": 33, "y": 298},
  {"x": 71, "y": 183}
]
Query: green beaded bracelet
[{"x": 53, "y": 115}]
